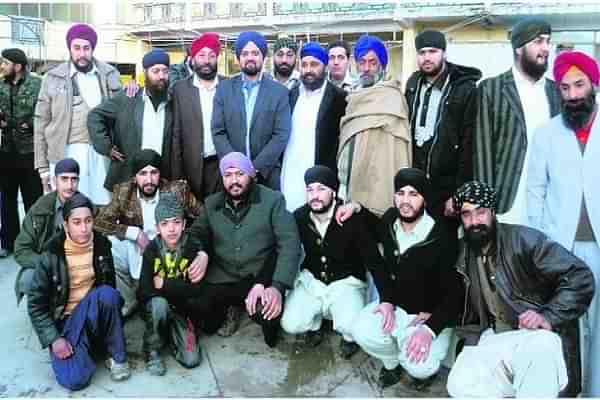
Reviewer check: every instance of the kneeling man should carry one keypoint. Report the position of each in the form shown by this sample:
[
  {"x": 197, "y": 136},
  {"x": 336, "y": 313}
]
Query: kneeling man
[
  {"x": 331, "y": 283},
  {"x": 525, "y": 293},
  {"x": 73, "y": 304},
  {"x": 420, "y": 291},
  {"x": 166, "y": 292}
]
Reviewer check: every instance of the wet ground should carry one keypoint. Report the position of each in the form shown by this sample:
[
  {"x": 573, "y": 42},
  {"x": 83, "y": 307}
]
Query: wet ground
[{"x": 238, "y": 366}]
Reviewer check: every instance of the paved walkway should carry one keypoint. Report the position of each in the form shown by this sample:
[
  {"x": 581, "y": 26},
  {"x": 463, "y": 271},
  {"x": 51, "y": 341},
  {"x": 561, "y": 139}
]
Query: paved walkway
[{"x": 239, "y": 366}]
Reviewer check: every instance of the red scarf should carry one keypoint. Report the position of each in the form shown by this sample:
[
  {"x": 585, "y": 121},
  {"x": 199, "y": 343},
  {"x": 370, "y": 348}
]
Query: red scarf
[{"x": 583, "y": 134}]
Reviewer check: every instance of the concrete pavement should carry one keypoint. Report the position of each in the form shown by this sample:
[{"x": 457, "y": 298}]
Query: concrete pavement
[{"x": 239, "y": 366}]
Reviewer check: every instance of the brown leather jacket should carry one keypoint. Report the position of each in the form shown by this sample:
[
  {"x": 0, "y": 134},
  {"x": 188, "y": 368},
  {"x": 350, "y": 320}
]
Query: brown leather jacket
[{"x": 536, "y": 273}]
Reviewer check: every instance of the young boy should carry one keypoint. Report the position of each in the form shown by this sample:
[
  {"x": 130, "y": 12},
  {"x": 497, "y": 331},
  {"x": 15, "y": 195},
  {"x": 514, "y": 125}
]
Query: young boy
[{"x": 166, "y": 292}]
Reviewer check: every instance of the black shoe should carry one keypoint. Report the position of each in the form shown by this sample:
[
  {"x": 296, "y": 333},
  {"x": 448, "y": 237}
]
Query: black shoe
[
  {"x": 232, "y": 322},
  {"x": 155, "y": 364},
  {"x": 389, "y": 377},
  {"x": 313, "y": 338},
  {"x": 347, "y": 349},
  {"x": 4, "y": 253},
  {"x": 421, "y": 384}
]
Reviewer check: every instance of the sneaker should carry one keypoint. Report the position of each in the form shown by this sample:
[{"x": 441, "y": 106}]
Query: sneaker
[
  {"x": 347, "y": 349},
  {"x": 313, "y": 338},
  {"x": 118, "y": 371},
  {"x": 421, "y": 384},
  {"x": 389, "y": 377},
  {"x": 232, "y": 322},
  {"x": 155, "y": 364}
]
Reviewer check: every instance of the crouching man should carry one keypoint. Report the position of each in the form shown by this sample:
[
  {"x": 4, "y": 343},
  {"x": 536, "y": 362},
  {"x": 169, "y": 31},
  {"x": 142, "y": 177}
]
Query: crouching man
[
  {"x": 420, "y": 291},
  {"x": 166, "y": 291},
  {"x": 254, "y": 250},
  {"x": 73, "y": 304},
  {"x": 525, "y": 293},
  {"x": 331, "y": 283}
]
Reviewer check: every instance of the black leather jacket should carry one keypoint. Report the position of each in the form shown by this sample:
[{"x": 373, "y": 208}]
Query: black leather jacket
[
  {"x": 50, "y": 285},
  {"x": 536, "y": 273}
]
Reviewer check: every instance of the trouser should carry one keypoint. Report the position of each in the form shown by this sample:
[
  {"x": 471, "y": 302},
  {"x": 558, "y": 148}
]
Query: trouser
[
  {"x": 391, "y": 348},
  {"x": 521, "y": 363},
  {"x": 212, "y": 182},
  {"x": 590, "y": 253},
  {"x": 213, "y": 299},
  {"x": 312, "y": 300},
  {"x": 92, "y": 172},
  {"x": 128, "y": 261},
  {"x": 11, "y": 181},
  {"x": 94, "y": 326},
  {"x": 165, "y": 324}
]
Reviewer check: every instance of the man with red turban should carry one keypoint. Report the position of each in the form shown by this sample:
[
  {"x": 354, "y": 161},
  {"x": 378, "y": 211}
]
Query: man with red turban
[{"x": 562, "y": 187}]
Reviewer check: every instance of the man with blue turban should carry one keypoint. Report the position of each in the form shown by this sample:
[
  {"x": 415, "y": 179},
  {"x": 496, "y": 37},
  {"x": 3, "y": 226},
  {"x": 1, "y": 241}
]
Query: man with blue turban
[
  {"x": 317, "y": 108},
  {"x": 374, "y": 134},
  {"x": 251, "y": 115}
]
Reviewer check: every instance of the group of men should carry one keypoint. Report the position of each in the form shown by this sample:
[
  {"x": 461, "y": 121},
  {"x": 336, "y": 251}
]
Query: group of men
[{"x": 286, "y": 195}]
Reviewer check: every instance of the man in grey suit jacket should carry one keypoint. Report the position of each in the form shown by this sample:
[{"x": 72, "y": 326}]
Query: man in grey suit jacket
[
  {"x": 194, "y": 157},
  {"x": 252, "y": 115},
  {"x": 121, "y": 126}
]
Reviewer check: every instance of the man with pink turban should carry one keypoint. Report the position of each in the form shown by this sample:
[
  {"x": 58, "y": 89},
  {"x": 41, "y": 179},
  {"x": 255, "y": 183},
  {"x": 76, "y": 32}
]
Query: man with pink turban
[
  {"x": 562, "y": 186},
  {"x": 69, "y": 91}
]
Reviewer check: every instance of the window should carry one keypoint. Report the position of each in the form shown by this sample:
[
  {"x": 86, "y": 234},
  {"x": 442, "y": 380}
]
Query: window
[
  {"x": 29, "y": 10},
  {"x": 26, "y": 30}
]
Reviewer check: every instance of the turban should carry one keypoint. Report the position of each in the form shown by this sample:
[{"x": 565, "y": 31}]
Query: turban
[
  {"x": 208, "y": 39},
  {"x": 314, "y": 49},
  {"x": 323, "y": 175},
  {"x": 413, "y": 177},
  {"x": 78, "y": 200},
  {"x": 65, "y": 166},
  {"x": 168, "y": 206},
  {"x": 569, "y": 59},
  {"x": 476, "y": 193},
  {"x": 366, "y": 43},
  {"x": 285, "y": 42},
  {"x": 82, "y": 31},
  {"x": 155, "y": 56},
  {"x": 15, "y": 56},
  {"x": 143, "y": 158},
  {"x": 239, "y": 161},
  {"x": 528, "y": 29},
  {"x": 430, "y": 38},
  {"x": 250, "y": 36}
]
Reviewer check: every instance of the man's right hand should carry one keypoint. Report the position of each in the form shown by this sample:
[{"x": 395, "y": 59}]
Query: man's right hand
[
  {"x": 116, "y": 155},
  {"x": 142, "y": 241},
  {"x": 131, "y": 88},
  {"x": 197, "y": 268},
  {"x": 389, "y": 317},
  {"x": 344, "y": 212},
  {"x": 61, "y": 348},
  {"x": 254, "y": 295}
]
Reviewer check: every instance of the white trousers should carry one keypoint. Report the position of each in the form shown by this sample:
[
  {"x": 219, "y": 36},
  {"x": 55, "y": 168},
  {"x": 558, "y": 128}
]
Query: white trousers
[
  {"x": 391, "y": 348},
  {"x": 520, "y": 363},
  {"x": 590, "y": 253},
  {"x": 127, "y": 256},
  {"x": 312, "y": 300},
  {"x": 92, "y": 172}
]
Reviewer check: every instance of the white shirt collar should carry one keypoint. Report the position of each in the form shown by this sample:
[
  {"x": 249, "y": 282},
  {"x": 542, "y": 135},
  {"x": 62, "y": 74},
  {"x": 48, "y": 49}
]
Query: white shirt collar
[
  {"x": 196, "y": 82},
  {"x": 421, "y": 229},
  {"x": 73, "y": 70},
  {"x": 310, "y": 93},
  {"x": 322, "y": 225}
]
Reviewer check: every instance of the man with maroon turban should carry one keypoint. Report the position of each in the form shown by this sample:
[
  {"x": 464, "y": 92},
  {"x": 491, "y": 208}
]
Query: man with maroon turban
[{"x": 562, "y": 187}]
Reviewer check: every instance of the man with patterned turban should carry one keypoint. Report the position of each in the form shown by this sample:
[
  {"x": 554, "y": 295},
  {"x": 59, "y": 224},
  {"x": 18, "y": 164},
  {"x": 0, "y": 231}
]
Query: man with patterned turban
[
  {"x": 562, "y": 187},
  {"x": 374, "y": 134},
  {"x": 285, "y": 55},
  {"x": 69, "y": 91},
  {"x": 524, "y": 294},
  {"x": 252, "y": 115}
]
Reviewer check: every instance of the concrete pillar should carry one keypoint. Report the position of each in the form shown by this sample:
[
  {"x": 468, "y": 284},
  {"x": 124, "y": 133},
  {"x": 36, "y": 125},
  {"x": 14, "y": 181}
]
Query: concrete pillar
[{"x": 409, "y": 53}]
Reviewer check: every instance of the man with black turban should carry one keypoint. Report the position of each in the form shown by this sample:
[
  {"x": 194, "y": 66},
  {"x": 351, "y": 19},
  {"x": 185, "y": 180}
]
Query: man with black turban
[
  {"x": 524, "y": 294},
  {"x": 129, "y": 218}
]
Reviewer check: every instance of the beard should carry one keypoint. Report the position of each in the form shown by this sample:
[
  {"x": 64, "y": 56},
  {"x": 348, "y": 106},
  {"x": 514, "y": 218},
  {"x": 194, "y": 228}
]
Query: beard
[
  {"x": 251, "y": 69},
  {"x": 577, "y": 112},
  {"x": 312, "y": 81},
  {"x": 148, "y": 186},
  {"x": 532, "y": 68},
  {"x": 436, "y": 69},
  {"x": 85, "y": 68},
  {"x": 367, "y": 79},
  {"x": 206, "y": 72},
  {"x": 283, "y": 69},
  {"x": 158, "y": 88},
  {"x": 320, "y": 207},
  {"x": 241, "y": 192},
  {"x": 416, "y": 214},
  {"x": 10, "y": 77},
  {"x": 478, "y": 236}
]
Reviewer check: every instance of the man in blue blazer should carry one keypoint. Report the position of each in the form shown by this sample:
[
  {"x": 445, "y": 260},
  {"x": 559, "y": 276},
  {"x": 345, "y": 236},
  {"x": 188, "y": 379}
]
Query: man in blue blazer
[
  {"x": 251, "y": 112},
  {"x": 562, "y": 188}
]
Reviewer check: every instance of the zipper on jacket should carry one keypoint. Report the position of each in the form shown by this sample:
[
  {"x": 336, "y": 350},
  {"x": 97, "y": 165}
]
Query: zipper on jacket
[
  {"x": 467, "y": 281},
  {"x": 445, "y": 96}
]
